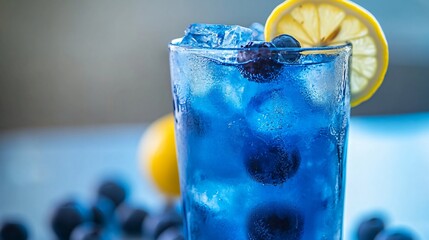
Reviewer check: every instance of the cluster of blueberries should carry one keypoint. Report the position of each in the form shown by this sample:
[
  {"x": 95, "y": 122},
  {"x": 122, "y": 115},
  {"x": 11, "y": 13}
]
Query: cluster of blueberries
[
  {"x": 110, "y": 215},
  {"x": 260, "y": 64},
  {"x": 374, "y": 228}
]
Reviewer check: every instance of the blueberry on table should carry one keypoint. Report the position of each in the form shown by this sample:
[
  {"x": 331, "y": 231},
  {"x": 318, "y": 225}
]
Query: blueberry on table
[
  {"x": 13, "y": 230},
  {"x": 369, "y": 228},
  {"x": 173, "y": 233},
  {"x": 155, "y": 225},
  {"x": 131, "y": 219},
  {"x": 66, "y": 217},
  {"x": 114, "y": 190},
  {"x": 87, "y": 231},
  {"x": 395, "y": 234},
  {"x": 287, "y": 41},
  {"x": 271, "y": 163},
  {"x": 102, "y": 210},
  {"x": 258, "y": 62},
  {"x": 273, "y": 222}
]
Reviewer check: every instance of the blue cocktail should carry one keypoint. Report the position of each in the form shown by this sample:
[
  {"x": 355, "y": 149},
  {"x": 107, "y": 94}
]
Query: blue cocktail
[{"x": 261, "y": 135}]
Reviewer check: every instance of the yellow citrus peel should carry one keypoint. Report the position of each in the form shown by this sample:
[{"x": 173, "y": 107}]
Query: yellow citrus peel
[{"x": 316, "y": 23}]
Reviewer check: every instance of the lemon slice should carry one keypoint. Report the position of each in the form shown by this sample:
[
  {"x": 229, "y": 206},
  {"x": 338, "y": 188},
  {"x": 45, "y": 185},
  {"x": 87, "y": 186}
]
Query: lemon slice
[{"x": 317, "y": 23}]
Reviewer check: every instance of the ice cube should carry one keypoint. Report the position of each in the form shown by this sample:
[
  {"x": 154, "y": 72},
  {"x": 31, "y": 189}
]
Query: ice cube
[
  {"x": 322, "y": 148},
  {"x": 258, "y": 31},
  {"x": 285, "y": 111},
  {"x": 272, "y": 111},
  {"x": 212, "y": 196},
  {"x": 209, "y": 217},
  {"x": 216, "y": 36},
  {"x": 219, "y": 89},
  {"x": 220, "y": 140},
  {"x": 320, "y": 80},
  {"x": 236, "y": 92}
]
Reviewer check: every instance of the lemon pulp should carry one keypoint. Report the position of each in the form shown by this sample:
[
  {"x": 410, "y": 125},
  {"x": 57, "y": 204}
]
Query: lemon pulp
[{"x": 316, "y": 23}]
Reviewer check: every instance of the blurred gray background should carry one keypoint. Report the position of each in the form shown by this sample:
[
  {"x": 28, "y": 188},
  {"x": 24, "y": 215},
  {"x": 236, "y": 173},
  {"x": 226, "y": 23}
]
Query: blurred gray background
[{"x": 88, "y": 62}]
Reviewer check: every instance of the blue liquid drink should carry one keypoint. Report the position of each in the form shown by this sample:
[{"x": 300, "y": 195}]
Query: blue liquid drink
[{"x": 261, "y": 138}]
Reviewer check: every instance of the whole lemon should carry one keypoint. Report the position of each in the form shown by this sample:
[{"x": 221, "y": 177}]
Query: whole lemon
[{"x": 158, "y": 156}]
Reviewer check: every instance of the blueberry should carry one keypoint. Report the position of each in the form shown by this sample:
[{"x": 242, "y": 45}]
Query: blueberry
[
  {"x": 155, "y": 225},
  {"x": 395, "y": 234},
  {"x": 274, "y": 222},
  {"x": 102, "y": 211},
  {"x": 173, "y": 233},
  {"x": 87, "y": 231},
  {"x": 287, "y": 41},
  {"x": 259, "y": 63},
  {"x": 13, "y": 230},
  {"x": 113, "y": 189},
  {"x": 131, "y": 219},
  {"x": 369, "y": 228},
  {"x": 67, "y": 216},
  {"x": 271, "y": 163}
]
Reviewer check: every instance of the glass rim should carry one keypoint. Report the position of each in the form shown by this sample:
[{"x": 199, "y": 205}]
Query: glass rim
[{"x": 174, "y": 44}]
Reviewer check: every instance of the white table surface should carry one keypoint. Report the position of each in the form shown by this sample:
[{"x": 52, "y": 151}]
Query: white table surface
[{"x": 388, "y": 171}]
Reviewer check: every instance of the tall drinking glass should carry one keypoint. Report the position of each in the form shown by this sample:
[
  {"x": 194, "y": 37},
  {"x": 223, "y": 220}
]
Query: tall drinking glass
[{"x": 261, "y": 138}]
